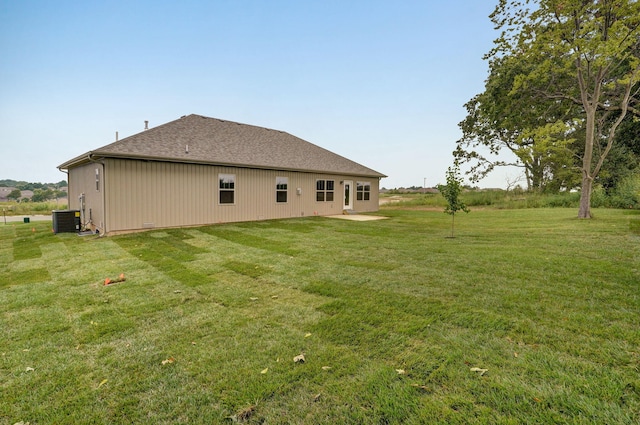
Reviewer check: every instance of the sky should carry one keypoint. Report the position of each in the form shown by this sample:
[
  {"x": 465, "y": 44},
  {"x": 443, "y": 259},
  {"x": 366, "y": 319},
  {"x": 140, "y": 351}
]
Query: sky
[{"x": 382, "y": 83}]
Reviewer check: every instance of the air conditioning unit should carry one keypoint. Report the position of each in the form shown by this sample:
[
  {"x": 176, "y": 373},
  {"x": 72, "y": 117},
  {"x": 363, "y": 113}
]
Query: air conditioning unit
[{"x": 66, "y": 221}]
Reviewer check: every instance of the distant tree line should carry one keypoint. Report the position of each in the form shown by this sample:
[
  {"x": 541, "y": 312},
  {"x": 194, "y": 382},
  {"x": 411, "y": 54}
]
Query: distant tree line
[
  {"x": 22, "y": 185},
  {"x": 41, "y": 191}
]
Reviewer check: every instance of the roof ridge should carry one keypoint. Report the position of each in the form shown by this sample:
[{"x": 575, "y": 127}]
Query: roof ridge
[{"x": 237, "y": 122}]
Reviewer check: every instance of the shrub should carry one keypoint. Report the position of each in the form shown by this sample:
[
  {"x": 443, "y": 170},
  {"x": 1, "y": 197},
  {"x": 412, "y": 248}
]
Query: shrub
[
  {"x": 563, "y": 200},
  {"x": 599, "y": 197},
  {"x": 627, "y": 193}
]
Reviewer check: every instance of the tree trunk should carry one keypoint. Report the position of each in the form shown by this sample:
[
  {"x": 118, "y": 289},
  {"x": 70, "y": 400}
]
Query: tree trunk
[
  {"x": 587, "y": 159},
  {"x": 585, "y": 197},
  {"x": 453, "y": 219}
]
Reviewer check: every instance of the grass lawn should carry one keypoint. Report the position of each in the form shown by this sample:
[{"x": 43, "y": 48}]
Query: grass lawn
[{"x": 527, "y": 316}]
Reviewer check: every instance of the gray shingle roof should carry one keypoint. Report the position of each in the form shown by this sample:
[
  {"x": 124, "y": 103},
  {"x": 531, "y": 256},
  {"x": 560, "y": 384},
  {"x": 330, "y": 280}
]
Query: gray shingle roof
[{"x": 215, "y": 141}]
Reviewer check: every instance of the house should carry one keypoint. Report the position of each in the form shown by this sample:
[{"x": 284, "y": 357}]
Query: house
[
  {"x": 5, "y": 191},
  {"x": 198, "y": 170}
]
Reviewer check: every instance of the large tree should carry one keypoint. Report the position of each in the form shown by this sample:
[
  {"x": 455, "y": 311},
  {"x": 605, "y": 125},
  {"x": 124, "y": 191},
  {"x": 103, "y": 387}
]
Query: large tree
[
  {"x": 41, "y": 195},
  {"x": 531, "y": 127},
  {"x": 15, "y": 194},
  {"x": 583, "y": 53}
]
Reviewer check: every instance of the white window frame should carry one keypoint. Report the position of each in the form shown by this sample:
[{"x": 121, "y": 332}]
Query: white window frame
[
  {"x": 323, "y": 191},
  {"x": 282, "y": 189},
  {"x": 226, "y": 186},
  {"x": 363, "y": 191}
]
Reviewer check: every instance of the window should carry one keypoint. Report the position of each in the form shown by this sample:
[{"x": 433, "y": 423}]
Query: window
[
  {"x": 363, "y": 191},
  {"x": 98, "y": 179},
  {"x": 281, "y": 188},
  {"x": 324, "y": 190},
  {"x": 227, "y": 188}
]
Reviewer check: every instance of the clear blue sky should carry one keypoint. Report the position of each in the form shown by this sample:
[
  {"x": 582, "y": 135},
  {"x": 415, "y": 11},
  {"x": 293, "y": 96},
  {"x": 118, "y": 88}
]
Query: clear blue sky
[{"x": 380, "y": 82}]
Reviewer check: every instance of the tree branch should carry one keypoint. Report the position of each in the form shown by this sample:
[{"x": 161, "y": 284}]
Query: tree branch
[
  {"x": 559, "y": 96},
  {"x": 612, "y": 130}
]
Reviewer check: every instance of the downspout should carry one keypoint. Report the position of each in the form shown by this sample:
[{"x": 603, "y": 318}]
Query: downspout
[{"x": 67, "y": 173}]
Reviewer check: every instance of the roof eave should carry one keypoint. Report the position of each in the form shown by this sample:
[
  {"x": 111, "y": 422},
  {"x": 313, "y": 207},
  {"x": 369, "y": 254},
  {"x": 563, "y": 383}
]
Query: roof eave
[
  {"x": 97, "y": 155},
  {"x": 78, "y": 160}
]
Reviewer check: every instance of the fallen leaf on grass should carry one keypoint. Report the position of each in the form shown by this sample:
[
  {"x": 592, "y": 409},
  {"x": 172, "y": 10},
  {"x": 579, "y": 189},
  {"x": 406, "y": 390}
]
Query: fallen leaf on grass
[
  {"x": 515, "y": 354},
  {"x": 422, "y": 387},
  {"x": 168, "y": 361},
  {"x": 104, "y": 381},
  {"x": 29, "y": 369},
  {"x": 326, "y": 367},
  {"x": 537, "y": 400},
  {"x": 400, "y": 371},
  {"x": 265, "y": 370},
  {"x": 299, "y": 358},
  {"x": 253, "y": 299},
  {"x": 307, "y": 335},
  {"x": 275, "y": 297},
  {"x": 316, "y": 397},
  {"x": 479, "y": 370}
]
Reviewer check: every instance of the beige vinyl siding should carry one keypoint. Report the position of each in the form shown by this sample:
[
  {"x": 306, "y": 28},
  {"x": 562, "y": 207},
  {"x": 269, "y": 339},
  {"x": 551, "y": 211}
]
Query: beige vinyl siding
[
  {"x": 148, "y": 194},
  {"x": 143, "y": 194},
  {"x": 372, "y": 204},
  {"x": 82, "y": 180}
]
